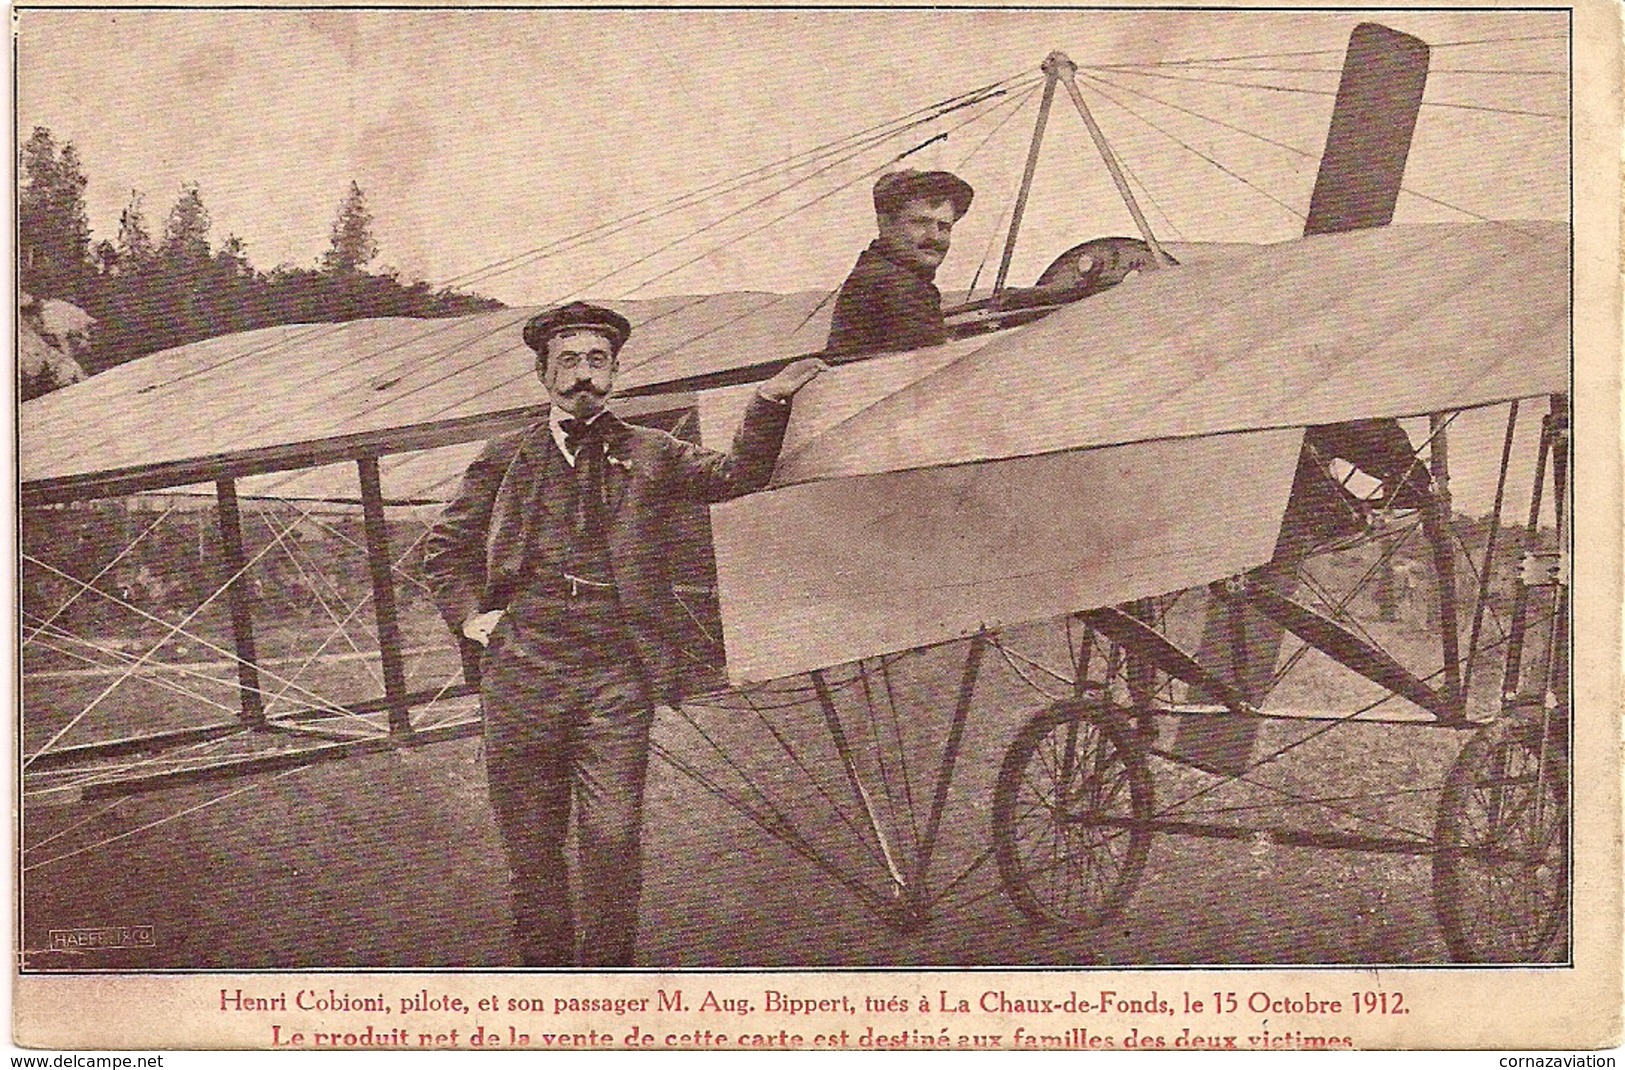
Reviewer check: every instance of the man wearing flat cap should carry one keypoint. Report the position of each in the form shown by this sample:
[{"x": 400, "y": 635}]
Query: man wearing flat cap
[
  {"x": 553, "y": 556},
  {"x": 889, "y": 301}
]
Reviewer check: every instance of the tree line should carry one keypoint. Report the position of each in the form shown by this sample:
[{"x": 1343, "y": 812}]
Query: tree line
[{"x": 151, "y": 291}]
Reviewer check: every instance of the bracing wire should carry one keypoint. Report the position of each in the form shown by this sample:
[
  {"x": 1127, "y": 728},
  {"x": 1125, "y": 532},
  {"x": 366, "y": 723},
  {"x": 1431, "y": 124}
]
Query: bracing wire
[
  {"x": 994, "y": 235},
  {"x": 1255, "y": 135},
  {"x": 339, "y": 626},
  {"x": 806, "y": 204},
  {"x": 119, "y": 657},
  {"x": 1182, "y": 806},
  {"x": 1295, "y": 150},
  {"x": 1146, "y": 192},
  {"x": 511, "y": 380},
  {"x": 1308, "y": 737},
  {"x": 677, "y": 347},
  {"x": 1509, "y": 71},
  {"x": 1500, "y": 41},
  {"x": 787, "y": 163},
  {"x": 1329, "y": 52},
  {"x": 972, "y": 97},
  {"x": 121, "y": 555},
  {"x": 1174, "y": 139},
  {"x": 979, "y": 97},
  {"x": 83, "y": 821},
  {"x": 97, "y": 776},
  {"x": 1020, "y": 103},
  {"x": 781, "y": 822},
  {"x": 998, "y": 223},
  {"x": 641, "y": 216},
  {"x": 902, "y": 749},
  {"x": 719, "y": 327},
  {"x": 878, "y": 746},
  {"x": 505, "y": 323},
  {"x": 30, "y": 867},
  {"x": 175, "y": 628},
  {"x": 961, "y": 100},
  {"x": 1397, "y": 539},
  {"x": 1302, "y": 91},
  {"x": 1299, "y": 216}
]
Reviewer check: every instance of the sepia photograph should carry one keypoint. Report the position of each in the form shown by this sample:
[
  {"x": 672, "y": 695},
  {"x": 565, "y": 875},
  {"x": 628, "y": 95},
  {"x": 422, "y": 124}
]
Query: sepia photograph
[{"x": 715, "y": 505}]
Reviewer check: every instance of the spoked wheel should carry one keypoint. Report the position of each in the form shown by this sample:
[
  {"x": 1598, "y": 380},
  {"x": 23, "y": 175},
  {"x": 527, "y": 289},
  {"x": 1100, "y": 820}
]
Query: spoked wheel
[
  {"x": 1500, "y": 873},
  {"x": 1069, "y": 813}
]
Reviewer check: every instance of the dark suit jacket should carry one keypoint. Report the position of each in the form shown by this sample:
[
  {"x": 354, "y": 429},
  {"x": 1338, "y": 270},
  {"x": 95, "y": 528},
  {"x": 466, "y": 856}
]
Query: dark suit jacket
[
  {"x": 884, "y": 305},
  {"x": 507, "y": 517}
]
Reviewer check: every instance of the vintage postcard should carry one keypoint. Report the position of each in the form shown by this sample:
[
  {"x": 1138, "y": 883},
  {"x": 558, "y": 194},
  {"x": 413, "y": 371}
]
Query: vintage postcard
[{"x": 1053, "y": 528}]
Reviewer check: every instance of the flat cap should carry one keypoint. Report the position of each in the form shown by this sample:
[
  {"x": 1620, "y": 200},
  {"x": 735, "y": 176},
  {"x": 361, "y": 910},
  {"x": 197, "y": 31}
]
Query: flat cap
[
  {"x": 577, "y": 316},
  {"x": 897, "y": 188}
]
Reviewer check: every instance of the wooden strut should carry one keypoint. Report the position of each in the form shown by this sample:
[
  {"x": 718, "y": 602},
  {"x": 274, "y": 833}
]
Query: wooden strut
[
  {"x": 950, "y": 756},
  {"x": 837, "y": 735},
  {"x": 1027, "y": 176},
  {"x": 1488, "y": 570},
  {"x": 269, "y": 763},
  {"x": 235, "y": 564},
  {"x": 1557, "y": 649},
  {"x": 1555, "y": 689},
  {"x": 1553, "y": 686},
  {"x": 1285, "y": 837},
  {"x": 1513, "y": 673},
  {"x": 383, "y": 597},
  {"x": 1066, "y": 72},
  {"x": 1058, "y": 68},
  {"x": 141, "y": 744},
  {"x": 1154, "y": 648},
  {"x": 1436, "y": 523},
  {"x": 1344, "y": 647}
]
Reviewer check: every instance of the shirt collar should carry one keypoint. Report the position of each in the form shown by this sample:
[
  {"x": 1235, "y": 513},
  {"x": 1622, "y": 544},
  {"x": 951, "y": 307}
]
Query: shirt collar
[{"x": 555, "y": 420}]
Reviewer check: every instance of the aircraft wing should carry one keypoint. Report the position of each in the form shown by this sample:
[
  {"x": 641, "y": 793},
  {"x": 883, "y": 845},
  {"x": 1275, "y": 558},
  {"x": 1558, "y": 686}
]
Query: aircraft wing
[
  {"x": 1140, "y": 442},
  {"x": 1397, "y": 321},
  {"x": 1134, "y": 443},
  {"x": 299, "y": 397}
]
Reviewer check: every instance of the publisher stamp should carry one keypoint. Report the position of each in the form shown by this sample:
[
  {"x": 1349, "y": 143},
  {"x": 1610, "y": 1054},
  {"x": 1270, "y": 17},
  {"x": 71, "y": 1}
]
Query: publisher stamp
[{"x": 103, "y": 937}]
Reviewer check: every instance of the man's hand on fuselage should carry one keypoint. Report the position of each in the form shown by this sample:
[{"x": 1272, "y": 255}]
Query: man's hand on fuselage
[{"x": 795, "y": 375}]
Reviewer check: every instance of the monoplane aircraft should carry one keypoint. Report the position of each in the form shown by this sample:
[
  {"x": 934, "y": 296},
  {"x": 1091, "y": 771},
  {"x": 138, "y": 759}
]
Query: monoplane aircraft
[{"x": 1134, "y": 554}]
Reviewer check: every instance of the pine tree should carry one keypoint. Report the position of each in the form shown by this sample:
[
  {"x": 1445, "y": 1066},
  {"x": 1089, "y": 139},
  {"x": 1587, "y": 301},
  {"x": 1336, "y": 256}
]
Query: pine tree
[
  {"x": 351, "y": 240},
  {"x": 53, "y": 229},
  {"x": 134, "y": 247},
  {"x": 186, "y": 231}
]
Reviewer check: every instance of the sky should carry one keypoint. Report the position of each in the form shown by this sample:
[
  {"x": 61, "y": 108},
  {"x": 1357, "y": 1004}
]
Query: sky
[{"x": 481, "y": 135}]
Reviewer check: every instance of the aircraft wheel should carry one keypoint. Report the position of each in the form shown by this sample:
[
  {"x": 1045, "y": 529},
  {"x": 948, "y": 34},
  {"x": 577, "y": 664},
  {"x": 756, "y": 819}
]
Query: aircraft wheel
[
  {"x": 1069, "y": 813},
  {"x": 1500, "y": 869}
]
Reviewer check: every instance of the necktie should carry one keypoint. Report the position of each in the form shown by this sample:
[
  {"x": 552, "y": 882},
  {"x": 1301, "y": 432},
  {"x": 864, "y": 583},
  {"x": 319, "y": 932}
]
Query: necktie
[
  {"x": 588, "y": 441},
  {"x": 604, "y": 428},
  {"x": 578, "y": 433}
]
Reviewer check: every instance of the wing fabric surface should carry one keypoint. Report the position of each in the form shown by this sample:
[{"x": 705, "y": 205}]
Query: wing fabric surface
[
  {"x": 824, "y": 573},
  {"x": 277, "y": 387}
]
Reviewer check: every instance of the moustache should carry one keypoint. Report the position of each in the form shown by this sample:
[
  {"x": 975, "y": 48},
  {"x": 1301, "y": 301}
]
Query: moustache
[{"x": 584, "y": 388}]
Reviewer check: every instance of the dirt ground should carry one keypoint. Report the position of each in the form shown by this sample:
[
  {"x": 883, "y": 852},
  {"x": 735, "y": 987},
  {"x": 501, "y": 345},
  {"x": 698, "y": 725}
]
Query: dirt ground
[{"x": 392, "y": 860}]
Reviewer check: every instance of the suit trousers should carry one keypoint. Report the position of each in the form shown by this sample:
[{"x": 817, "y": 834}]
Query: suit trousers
[{"x": 568, "y": 723}]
